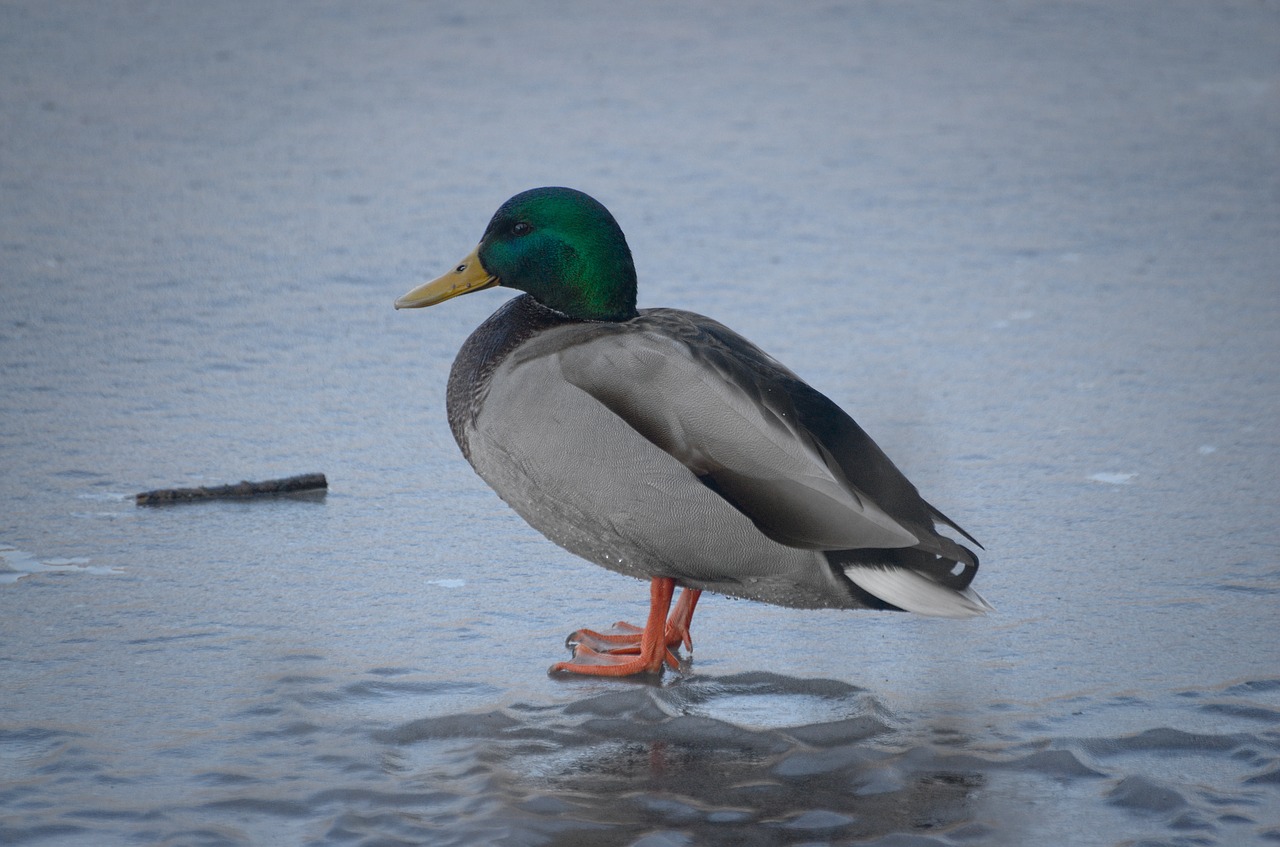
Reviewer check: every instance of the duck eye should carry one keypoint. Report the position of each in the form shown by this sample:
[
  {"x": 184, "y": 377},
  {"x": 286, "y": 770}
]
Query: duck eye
[{"x": 521, "y": 228}]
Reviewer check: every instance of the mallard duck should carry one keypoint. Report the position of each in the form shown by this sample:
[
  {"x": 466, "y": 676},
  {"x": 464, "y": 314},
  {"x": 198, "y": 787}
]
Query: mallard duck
[{"x": 661, "y": 444}]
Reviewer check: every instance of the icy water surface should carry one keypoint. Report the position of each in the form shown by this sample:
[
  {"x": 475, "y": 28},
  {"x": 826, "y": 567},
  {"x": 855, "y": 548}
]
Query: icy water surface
[{"x": 1032, "y": 247}]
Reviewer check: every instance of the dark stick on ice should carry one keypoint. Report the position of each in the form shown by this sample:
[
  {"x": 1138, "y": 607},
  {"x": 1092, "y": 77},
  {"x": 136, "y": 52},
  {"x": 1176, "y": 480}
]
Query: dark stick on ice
[{"x": 305, "y": 482}]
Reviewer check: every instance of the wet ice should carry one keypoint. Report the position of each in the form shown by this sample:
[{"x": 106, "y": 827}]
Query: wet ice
[{"x": 1031, "y": 247}]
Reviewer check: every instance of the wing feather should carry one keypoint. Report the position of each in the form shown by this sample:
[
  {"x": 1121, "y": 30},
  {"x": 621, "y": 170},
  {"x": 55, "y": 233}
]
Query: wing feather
[{"x": 726, "y": 411}]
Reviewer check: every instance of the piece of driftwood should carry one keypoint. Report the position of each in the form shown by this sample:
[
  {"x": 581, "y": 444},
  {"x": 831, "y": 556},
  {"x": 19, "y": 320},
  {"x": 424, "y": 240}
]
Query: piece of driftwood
[{"x": 305, "y": 482}]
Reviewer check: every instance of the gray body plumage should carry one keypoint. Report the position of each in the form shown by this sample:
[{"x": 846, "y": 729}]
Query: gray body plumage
[{"x": 668, "y": 445}]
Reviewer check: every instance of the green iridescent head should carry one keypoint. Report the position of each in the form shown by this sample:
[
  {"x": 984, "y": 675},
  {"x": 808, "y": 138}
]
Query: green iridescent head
[{"x": 559, "y": 245}]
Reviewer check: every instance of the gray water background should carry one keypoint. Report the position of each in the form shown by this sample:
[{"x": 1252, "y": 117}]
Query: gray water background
[{"x": 1032, "y": 247}]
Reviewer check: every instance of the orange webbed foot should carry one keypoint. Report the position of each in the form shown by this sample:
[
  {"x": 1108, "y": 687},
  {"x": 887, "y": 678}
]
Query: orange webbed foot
[
  {"x": 590, "y": 663},
  {"x": 625, "y": 649},
  {"x": 621, "y": 638}
]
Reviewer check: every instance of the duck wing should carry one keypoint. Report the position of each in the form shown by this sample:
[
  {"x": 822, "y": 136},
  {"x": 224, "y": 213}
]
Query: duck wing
[{"x": 752, "y": 431}]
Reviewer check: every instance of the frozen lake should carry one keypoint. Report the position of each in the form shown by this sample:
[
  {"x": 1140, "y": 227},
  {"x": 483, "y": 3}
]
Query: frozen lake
[{"x": 1031, "y": 247}]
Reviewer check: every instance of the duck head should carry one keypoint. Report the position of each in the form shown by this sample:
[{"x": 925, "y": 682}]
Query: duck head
[{"x": 557, "y": 244}]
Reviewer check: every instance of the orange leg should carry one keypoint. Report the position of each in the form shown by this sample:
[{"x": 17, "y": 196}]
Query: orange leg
[
  {"x": 630, "y": 650},
  {"x": 681, "y": 617}
]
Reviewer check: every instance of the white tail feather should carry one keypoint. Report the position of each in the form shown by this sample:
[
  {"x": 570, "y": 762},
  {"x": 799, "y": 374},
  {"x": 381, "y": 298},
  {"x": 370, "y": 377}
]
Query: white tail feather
[{"x": 917, "y": 593}]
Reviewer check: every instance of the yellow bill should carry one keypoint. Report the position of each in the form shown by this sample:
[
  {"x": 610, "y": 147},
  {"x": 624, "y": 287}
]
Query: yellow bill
[{"x": 467, "y": 275}]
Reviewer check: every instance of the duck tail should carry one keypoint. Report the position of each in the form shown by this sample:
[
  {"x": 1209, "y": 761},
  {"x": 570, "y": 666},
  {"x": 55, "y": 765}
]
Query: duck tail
[{"x": 912, "y": 591}]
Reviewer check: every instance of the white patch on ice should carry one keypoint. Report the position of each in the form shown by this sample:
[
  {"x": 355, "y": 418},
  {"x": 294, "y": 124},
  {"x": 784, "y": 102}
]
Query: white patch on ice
[
  {"x": 1020, "y": 315},
  {"x": 447, "y": 583},
  {"x": 21, "y": 563},
  {"x": 1113, "y": 478}
]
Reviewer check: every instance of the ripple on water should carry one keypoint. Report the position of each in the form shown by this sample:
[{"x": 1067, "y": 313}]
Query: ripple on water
[
  {"x": 646, "y": 763},
  {"x": 693, "y": 762}
]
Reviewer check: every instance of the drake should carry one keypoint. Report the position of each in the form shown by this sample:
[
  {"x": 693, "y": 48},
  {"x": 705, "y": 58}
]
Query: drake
[{"x": 661, "y": 444}]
